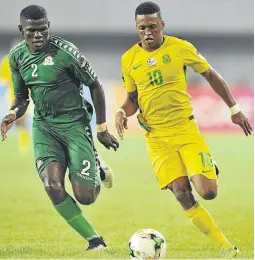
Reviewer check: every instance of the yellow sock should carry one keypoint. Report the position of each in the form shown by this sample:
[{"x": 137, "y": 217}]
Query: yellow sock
[{"x": 201, "y": 218}]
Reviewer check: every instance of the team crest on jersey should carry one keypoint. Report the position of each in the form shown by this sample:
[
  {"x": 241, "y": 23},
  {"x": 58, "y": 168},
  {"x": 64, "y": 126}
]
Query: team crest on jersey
[
  {"x": 48, "y": 61},
  {"x": 166, "y": 58},
  {"x": 151, "y": 61}
]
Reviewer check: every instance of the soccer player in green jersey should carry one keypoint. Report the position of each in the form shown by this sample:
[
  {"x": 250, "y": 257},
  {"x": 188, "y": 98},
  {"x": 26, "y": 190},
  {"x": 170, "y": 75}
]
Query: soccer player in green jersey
[{"x": 53, "y": 70}]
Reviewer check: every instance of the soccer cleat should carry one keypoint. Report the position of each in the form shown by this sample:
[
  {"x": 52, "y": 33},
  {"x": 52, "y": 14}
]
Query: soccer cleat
[
  {"x": 216, "y": 167},
  {"x": 106, "y": 173},
  {"x": 97, "y": 244},
  {"x": 231, "y": 253}
]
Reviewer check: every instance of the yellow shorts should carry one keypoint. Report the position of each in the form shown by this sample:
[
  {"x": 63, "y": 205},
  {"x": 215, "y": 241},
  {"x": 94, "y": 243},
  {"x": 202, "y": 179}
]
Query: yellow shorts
[{"x": 183, "y": 154}]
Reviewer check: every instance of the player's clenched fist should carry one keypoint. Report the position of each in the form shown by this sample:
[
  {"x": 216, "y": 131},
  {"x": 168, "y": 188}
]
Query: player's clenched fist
[
  {"x": 241, "y": 120},
  {"x": 108, "y": 140},
  {"x": 6, "y": 125},
  {"x": 120, "y": 123}
]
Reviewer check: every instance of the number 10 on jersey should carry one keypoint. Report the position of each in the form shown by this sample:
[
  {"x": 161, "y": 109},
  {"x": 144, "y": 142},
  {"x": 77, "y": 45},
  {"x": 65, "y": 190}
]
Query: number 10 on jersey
[{"x": 155, "y": 77}]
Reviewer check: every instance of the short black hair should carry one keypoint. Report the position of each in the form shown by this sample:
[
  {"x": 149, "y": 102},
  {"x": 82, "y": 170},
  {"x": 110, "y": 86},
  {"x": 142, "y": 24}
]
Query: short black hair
[
  {"x": 33, "y": 12},
  {"x": 147, "y": 8}
]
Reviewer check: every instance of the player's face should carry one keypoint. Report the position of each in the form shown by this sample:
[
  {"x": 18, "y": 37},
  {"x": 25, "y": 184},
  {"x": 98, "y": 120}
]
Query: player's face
[
  {"x": 35, "y": 32},
  {"x": 150, "y": 29}
]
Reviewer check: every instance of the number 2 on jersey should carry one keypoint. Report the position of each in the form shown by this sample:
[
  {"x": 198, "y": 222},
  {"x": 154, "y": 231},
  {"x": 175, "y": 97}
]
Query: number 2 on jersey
[
  {"x": 34, "y": 72},
  {"x": 155, "y": 77},
  {"x": 85, "y": 172}
]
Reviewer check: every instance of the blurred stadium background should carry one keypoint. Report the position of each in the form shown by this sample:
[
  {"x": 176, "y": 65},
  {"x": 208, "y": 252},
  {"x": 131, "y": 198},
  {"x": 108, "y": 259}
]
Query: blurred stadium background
[{"x": 223, "y": 32}]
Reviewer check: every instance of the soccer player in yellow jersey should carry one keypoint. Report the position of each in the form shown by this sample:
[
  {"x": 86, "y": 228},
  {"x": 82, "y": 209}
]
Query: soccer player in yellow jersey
[
  {"x": 5, "y": 76},
  {"x": 154, "y": 74}
]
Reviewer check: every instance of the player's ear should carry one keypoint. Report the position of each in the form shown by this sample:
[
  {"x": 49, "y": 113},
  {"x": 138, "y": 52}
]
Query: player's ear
[
  {"x": 49, "y": 24},
  {"x": 163, "y": 24},
  {"x": 136, "y": 25},
  {"x": 20, "y": 29}
]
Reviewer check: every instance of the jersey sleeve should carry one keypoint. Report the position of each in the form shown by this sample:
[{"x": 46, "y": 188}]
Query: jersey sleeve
[
  {"x": 20, "y": 89},
  {"x": 128, "y": 81},
  {"x": 191, "y": 57},
  {"x": 81, "y": 68}
]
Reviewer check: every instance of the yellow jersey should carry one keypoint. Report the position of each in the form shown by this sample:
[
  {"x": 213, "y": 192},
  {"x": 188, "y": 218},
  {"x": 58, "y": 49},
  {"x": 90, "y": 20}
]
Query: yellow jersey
[
  {"x": 160, "y": 80},
  {"x": 5, "y": 72}
]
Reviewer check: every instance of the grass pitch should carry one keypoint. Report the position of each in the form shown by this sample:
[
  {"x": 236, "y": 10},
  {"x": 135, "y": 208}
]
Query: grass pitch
[{"x": 31, "y": 228}]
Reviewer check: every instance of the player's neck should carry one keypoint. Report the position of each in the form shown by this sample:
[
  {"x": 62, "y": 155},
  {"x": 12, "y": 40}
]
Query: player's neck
[
  {"x": 154, "y": 48},
  {"x": 42, "y": 49}
]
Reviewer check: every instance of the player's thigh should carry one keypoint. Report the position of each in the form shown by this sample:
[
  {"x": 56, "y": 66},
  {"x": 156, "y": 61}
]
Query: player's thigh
[
  {"x": 47, "y": 148},
  {"x": 197, "y": 158},
  {"x": 81, "y": 157},
  {"x": 166, "y": 160}
]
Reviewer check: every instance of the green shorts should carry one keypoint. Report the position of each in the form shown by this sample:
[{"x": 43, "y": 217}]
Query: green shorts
[{"x": 73, "y": 147}]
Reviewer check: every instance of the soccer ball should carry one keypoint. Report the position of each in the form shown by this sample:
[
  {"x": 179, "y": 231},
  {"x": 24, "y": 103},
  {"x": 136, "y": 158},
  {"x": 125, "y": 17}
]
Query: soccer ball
[{"x": 147, "y": 244}]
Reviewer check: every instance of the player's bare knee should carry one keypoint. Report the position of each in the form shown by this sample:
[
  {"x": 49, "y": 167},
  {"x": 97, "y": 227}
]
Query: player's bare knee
[
  {"x": 183, "y": 193},
  {"x": 88, "y": 196},
  {"x": 86, "y": 199},
  {"x": 206, "y": 188},
  {"x": 184, "y": 196},
  {"x": 54, "y": 187},
  {"x": 208, "y": 194},
  {"x": 56, "y": 191},
  {"x": 52, "y": 177}
]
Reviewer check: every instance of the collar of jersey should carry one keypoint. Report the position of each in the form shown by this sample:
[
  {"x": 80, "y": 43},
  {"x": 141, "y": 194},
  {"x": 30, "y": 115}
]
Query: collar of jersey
[
  {"x": 161, "y": 46},
  {"x": 36, "y": 53}
]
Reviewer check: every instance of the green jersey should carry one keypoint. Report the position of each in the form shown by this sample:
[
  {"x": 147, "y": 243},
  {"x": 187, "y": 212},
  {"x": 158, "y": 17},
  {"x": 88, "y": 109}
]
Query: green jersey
[{"x": 54, "y": 78}]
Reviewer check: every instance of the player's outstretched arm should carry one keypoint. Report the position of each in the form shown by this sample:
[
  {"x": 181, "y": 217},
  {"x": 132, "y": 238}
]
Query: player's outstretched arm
[
  {"x": 221, "y": 88},
  {"x": 83, "y": 71},
  {"x": 98, "y": 98},
  {"x": 18, "y": 109},
  {"x": 21, "y": 101},
  {"x": 129, "y": 108}
]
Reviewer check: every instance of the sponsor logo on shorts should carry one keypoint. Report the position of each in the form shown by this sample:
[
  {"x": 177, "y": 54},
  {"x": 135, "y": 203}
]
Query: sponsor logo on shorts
[
  {"x": 84, "y": 177},
  {"x": 206, "y": 171}
]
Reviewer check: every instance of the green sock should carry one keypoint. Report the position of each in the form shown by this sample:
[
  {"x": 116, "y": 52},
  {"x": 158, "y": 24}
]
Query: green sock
[{"x": 71, "y": 212}]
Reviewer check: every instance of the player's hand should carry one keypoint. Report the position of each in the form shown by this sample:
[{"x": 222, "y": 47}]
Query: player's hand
[
  {"x": 108, "y": 140},
  {"x": 241, "y": 120},
  {"x": 120, "y": 123},
  {"x": 6, "y": 125}
]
